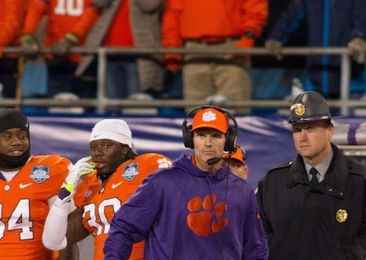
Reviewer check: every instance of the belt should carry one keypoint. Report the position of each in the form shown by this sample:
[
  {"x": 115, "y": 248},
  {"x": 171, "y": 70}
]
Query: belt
[{"x": 213, "y": 40}]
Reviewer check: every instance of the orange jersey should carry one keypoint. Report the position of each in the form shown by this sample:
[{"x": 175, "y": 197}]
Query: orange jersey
[
  {"x": 102, "y": 202},
  {"x": 24, "y": 207}
]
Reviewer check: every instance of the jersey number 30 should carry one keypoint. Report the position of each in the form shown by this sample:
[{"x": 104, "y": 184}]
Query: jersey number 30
[{"x": 103, "y": 221}]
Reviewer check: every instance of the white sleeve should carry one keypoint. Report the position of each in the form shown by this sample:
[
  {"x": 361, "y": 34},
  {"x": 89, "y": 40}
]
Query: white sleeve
[{"x": 54, "y": 233}]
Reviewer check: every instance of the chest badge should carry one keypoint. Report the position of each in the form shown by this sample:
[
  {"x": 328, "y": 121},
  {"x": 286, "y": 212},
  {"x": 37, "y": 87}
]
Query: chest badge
[
  {"x": 40, "y": 173},
  {"x": 131, "y": 171},
  {"x": 341, "y": 215}
]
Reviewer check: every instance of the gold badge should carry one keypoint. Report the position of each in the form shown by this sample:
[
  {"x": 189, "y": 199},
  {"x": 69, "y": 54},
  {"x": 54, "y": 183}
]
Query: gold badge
[
  {"x": 299, "y": 109},
  {"x": 341, "y": 215}
]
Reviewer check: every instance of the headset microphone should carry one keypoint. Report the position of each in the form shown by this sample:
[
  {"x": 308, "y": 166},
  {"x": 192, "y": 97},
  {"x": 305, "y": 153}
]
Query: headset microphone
[{"x": 213, "y": 161}]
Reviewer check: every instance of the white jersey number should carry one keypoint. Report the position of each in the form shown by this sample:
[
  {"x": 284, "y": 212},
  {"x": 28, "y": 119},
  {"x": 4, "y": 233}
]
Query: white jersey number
[
  {"x": 69, "y": 7},
  {"x": 19, "y": 219},
  {"x": 102, "y": 225}
]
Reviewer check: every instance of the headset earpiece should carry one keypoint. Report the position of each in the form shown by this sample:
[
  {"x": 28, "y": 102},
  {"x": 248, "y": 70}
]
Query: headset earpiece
[
  {"x": 230, "y": 140},
  {"x": 187, "y": 135},
  {"x": 231, "y": 134}
]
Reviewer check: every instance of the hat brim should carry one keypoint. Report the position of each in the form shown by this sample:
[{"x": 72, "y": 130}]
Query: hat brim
[{"x": 306, "y": 120}]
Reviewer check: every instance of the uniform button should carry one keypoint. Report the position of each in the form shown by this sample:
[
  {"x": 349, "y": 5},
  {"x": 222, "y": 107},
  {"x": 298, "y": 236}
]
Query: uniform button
[
  {"x": 341, "y": 193},
  {"x": 6, "y": 187},
  {"x": 330, "y": 189}
]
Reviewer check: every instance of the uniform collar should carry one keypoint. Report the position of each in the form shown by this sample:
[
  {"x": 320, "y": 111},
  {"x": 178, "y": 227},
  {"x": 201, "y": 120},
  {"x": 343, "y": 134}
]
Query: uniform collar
[{"x": 335, "y": 175}]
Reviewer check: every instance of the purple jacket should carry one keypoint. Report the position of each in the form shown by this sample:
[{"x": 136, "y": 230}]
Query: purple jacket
[{"x": 175, "y": 214}]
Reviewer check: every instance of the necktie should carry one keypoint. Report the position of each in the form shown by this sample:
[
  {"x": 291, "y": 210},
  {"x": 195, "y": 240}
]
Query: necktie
[{"x": 314, "y": 179}]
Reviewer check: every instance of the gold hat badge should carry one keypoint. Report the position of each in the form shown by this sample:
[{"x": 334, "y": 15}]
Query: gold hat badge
[
  {"x": 341, "y": 215},
  {"x": 299, "y": 109}
]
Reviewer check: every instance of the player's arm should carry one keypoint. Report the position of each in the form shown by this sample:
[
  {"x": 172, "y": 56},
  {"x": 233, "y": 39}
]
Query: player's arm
[
  {"x": 67, "y": 231},
  {"x": 75, "y": 231},
  {"x": 54, "y": 237},
  {"x": 71, "y": 252}
]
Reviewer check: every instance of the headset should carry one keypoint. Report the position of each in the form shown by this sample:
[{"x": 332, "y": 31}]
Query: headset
[{"x": 231, "y": 134}]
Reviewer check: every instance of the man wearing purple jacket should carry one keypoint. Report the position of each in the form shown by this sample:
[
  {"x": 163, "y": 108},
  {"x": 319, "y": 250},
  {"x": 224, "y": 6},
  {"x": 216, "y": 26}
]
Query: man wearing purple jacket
[{"x": 197, "y": 209}]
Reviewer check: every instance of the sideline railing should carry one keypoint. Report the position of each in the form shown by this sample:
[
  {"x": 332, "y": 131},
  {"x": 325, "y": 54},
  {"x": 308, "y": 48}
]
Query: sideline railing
[{"x": 344, "y": 103}]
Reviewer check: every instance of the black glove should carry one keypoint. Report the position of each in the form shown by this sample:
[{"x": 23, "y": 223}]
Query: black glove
[
  {"x": 30, "y": 47},
  {"x": 63, "y": 46}
]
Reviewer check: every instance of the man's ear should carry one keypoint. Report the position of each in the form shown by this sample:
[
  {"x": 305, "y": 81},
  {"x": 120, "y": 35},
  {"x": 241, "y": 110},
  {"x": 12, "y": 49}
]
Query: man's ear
[{"x": 125, "y": 149}]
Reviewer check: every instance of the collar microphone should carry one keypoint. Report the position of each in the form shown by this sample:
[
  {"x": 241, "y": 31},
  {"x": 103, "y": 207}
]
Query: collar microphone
[{"x": 213, "y": 161}]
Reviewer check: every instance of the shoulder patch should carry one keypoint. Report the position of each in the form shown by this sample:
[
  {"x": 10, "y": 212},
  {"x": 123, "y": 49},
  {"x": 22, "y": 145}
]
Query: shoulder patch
[
  {"x": 40, "y": 173},
  {"x": 131, "y": 171}
]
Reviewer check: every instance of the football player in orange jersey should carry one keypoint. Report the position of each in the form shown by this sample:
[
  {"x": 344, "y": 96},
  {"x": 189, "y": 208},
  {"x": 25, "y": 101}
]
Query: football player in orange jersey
[
  {"x": 28, "y": 186},
  {"x": 237, "y": 162},
  {"x": 97, "y": 187}
]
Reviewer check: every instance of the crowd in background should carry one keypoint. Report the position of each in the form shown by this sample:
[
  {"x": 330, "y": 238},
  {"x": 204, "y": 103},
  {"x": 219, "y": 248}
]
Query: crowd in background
[{"x": 63, "y": 24}]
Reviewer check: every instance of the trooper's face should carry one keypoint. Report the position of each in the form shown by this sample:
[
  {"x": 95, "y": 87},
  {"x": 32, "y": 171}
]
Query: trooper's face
[
  {"x": 13, "y": 142},
  {"x": 312, "y": 140},
  {"x": 108, "y": 155}
]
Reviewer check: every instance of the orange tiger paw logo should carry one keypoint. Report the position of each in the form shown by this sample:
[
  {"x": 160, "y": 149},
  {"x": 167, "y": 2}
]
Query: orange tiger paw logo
[{"x": 206, "y": 216}]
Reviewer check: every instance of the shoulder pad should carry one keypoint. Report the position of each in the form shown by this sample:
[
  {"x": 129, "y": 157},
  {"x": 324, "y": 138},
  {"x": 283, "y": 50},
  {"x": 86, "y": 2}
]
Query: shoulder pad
[{"x": 282, "y": 166}]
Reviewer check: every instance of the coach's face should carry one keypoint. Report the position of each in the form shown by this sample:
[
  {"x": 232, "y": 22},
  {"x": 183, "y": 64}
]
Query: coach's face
[{"x": 208, "y": 143}]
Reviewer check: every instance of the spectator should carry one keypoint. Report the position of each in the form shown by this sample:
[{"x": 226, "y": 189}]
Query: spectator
[
  {"x": 213, "y": 24},
  {"x": 271, "y": 77},
  {"x": 237, "y": 162},
  {"x": 107, "y": 180},
  {"x": 12, "y": 15},
  {"x": 62, "y": 15},
  {"x": 196, "y": 209},
  {"x": 330, "y": 24},
  {"x": 28, "y": 187},
  {"x": 127, "y": 24},
  {"x": 314, "y": 207}
]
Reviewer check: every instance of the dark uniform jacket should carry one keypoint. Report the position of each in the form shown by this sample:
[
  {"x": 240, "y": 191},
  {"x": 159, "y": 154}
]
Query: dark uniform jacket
[{"x": 327, "y": 222}]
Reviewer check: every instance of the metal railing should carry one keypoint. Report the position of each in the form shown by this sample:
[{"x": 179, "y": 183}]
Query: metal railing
[{"x": 344, "y": 103}]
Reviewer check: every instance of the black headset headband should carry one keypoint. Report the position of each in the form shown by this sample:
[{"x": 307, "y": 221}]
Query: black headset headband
[{"x": 231, "y": 134}]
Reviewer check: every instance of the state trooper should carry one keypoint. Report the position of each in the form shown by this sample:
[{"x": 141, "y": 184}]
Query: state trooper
[{"x": 314, "y": 207}]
